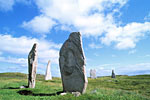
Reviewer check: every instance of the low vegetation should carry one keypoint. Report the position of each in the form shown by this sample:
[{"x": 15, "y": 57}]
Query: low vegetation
[{"x": 103, "y": 88}]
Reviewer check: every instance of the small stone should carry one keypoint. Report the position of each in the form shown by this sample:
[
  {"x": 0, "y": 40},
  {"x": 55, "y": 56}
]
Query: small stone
[
  {"x": 109, "y": 80},
  {"x": 94, "y": 91},
  {"x": 21, "y": 87},
  {"x": 76, "y": 94},
  {"x": 63, "y": 93}
]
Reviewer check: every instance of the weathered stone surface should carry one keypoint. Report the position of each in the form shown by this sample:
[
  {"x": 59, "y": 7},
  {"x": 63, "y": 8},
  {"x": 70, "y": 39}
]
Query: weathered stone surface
[
  {"x": 32, "y": 66},
  {"x": 113, "y": 74},
  {"x": 93, "y": 73},
  {"x": 48, "y": 75},
  {"x": 72, "y": 64}
]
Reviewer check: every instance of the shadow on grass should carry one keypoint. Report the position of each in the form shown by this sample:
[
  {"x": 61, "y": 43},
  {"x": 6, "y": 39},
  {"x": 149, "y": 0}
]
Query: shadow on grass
[
  {"x": 21, "y": 87},
  {"x": 11, "y": 88},
  {"x": 28, "y": 92}
]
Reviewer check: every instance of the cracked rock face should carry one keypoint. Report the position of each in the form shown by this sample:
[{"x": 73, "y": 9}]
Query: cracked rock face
[
  {"x": 32, "y": 66},
  {"x": 72, "y": 64},
  {"x": 48, "y": 75}
]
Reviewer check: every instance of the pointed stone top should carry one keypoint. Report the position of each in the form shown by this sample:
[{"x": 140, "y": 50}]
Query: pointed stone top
[
  {"x": 113, "y": 70},
  {"x": 34, "y": 46},
  {"x": 75, "y": 37},
  {"x": 49, "y": 61},
  {"x": 75, "y": 34},
  {"x": 35, "y": 43}
]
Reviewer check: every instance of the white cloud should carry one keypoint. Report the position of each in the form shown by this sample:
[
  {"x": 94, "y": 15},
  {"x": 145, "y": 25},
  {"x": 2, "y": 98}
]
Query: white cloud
[
  {"x": 6, "y": 5},
  {"x": 144, "y": 56},
  {"x": 40, "y": 24},
  {"x": 15, "y": 52},
  {"x": 95, "y": 46},
  {"x": 96, "y": 54},
  {"x": 20, "y": 61},
  {"x": 131, "y": 69},
  {"x": 22, "y": 45},
  {"x": 132, "y": 51},
  {"x": 86, "y": 16},
  {"x": 135, "y": 69},
  {"x": 147, "y": 55},
  {"x": 127, "y": 36},
  {"x": 90, "y": 18}
]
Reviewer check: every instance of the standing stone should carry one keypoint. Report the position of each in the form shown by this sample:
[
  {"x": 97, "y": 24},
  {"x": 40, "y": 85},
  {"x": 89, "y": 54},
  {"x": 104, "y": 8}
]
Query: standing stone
[
  {"x": 72, "y": 64},
  {"x": 32, "y": 66},
  {"x": 48, "y": 75},
  {"x": 93, "y": 73},
  {"x": 113, "y": 74}
]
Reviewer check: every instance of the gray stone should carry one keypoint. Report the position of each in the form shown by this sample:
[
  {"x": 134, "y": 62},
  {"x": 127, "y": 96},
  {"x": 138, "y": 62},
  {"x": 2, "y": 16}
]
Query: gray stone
[
  {"x": 76, "y": 94},
  {"x": 94, "y": 91},
  {"x": 93, "y": 74},
  {"x": 32, "y": 66},
  {"x": 113, "y": 74},
  {"x": 48, "y": 75},
  {"x": 22, "y": 87},
  {"x": 64, "y": 93},
  {"x": 72, "y": 64}
]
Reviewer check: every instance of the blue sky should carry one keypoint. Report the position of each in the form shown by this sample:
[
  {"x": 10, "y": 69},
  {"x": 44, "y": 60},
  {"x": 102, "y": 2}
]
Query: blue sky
[{"x": 115, "y": 34}]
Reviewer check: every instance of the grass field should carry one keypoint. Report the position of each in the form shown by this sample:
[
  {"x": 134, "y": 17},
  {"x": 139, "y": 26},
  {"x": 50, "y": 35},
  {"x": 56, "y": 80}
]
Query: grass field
[{"x": 104, "y": 88}]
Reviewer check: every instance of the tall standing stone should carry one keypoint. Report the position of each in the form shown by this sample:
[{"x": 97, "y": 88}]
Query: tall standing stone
[
  {"x": 72, "y": 64},
  {"x": 32, "y": 66},
  {"x": 113, "y": 74},
  {"x": 48, "y": 75},
  {"x": 93, "y": 73}
]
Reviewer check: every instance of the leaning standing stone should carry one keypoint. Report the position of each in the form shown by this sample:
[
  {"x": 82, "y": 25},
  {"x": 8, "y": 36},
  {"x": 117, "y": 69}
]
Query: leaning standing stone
[
  {"x": 113, "y": 74},
  {"x": 48, "y": 75},
  {"x": 72, "y": 64},
  {"x": 32, "y": 66}
]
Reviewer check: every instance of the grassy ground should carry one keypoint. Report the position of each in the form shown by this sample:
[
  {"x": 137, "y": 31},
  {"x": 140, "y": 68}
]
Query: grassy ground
[{"x": 104, "y": 88}]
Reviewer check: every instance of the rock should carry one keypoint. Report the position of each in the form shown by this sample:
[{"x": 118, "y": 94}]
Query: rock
[
  {"x": 32, "y": 66},
  {"x": 94, "y": 91},
  {"x": 64, "y": 93},
  {"x": 76, "y": 94},
  {"x": 22, "y": 87},
  {"x": 109, "y": 80},
  {"x": 72, "y": 64},
  {"x": 113, "y": 74},
  {"x": 48, "y": 75},
  {"x": 93, "y": 73}
]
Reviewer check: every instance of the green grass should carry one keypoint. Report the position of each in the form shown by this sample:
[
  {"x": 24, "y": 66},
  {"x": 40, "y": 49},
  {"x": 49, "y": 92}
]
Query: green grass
[{"x": 104, "y": 88}]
